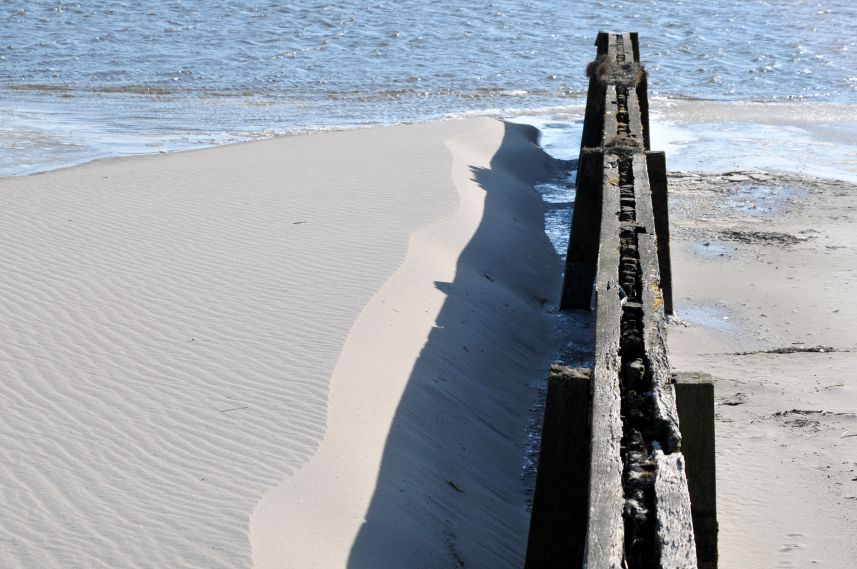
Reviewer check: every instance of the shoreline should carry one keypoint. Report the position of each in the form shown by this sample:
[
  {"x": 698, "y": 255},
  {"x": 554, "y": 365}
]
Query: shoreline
[
  {"x": 112, "y": 282},
  {"x": 694, "y": 129}
]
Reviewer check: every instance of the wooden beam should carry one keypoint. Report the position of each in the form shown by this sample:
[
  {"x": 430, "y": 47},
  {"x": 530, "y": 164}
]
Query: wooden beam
[
  {"x": 560, "y": 502},
  {"x": 675, "y": 538},
  {"x": 610, "y": 119},
  {"x": 676, "y": 545},
  {"x": 657, "y": 171},
  {"x": 605, "y": 538},
  {"x": 582, "y": 258},
  {"x": 601, "y": 42},
  {"x": 695, "y": 402},
  {"x": 654, "y": 324},
  {"x": 635, "y": 43}
]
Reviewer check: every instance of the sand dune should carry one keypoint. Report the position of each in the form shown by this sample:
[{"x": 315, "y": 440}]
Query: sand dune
[
  {"x": 169, "y": 326},
  {"x": 439, "y": 364}
]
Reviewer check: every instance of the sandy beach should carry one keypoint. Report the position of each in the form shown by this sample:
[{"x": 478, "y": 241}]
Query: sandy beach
[
  {"x": 320, "y": 351},
  {"x": 305, "y": 352},
  {"x": 763, "y": 269},
  {"x": 279, "y": 282}
]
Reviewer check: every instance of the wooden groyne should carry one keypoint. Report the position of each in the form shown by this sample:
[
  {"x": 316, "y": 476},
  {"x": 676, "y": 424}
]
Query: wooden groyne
[{"x": 612, "y": 488}]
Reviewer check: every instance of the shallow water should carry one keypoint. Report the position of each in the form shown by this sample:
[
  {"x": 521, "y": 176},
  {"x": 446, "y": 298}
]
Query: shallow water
[
  {"x": 814, "y": 140},
  {"x": 104, "y": 78}
]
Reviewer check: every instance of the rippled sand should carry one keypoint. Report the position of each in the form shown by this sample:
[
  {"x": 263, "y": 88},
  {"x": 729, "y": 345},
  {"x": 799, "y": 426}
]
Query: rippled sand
[{"x": 169, "y": 326}]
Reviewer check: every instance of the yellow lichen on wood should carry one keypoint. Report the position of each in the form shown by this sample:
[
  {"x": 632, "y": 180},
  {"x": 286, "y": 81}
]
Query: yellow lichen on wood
[{"x": 658, "y": 301}]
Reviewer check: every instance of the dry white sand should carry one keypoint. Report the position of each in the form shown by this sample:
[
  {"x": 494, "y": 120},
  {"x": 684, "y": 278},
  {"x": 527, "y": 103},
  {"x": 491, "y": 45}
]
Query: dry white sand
[
  {"x": 439, "y": 362},
  {"x": 764, "y": 265},
  {"x": 170, "y": 327}
]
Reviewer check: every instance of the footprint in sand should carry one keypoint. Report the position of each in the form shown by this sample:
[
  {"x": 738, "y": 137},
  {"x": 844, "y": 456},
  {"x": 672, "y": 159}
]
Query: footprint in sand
[{"x": 793, "y": 543}]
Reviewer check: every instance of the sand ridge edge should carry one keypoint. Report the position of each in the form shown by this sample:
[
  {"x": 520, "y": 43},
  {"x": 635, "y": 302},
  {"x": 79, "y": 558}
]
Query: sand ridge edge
[{"x": 422, "y": 459}]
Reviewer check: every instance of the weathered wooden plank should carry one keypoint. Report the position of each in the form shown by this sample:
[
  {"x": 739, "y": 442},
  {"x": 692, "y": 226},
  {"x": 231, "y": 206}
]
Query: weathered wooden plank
[
  {"x": 628, "y": 43},
  {"x": 695, "y": 404},
  {"x": 675, "y": 525},
  {"x": 601, "y": 41},
  {"x": 593, "y": 118},
  {"x": 610, "y": 119},
  {"x": 657, "y": 168},
  {"x": 642, "y": 90},
  {"x": 634, "y": 122},
  {"x": 604, "y": 540},
  {"x": 581, "y": 261},
  {"x": 676, "y": 544},
  {"x": 654, "y": 325},
  {"x": 560, "y": 502},
  {"x": 610, "y": 105},
  {"x": 635, "y": 43}
]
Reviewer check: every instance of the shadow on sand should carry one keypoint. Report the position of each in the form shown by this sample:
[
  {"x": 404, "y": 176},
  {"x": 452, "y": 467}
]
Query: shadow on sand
[{"x": 449, "y": 492}]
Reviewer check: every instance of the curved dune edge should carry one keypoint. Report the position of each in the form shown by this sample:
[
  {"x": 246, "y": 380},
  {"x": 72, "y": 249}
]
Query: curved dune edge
[
  {"x": 169, "y": 326},
  {"x": 420, "y": 465}
]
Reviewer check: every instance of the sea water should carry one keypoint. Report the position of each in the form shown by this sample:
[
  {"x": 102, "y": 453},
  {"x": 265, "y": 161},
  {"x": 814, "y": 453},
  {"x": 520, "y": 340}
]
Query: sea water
[{"x": 85, "y": 80}]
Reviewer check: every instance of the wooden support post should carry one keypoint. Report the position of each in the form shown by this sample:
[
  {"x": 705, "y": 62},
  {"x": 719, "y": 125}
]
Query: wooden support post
[
  {"x": 657, "y": 167},
  {"x": 601, "y": 43},
  {"x": 593, "y": 118},
  {"x": 635, "y": 45},
  {"x": 643, "y": 95},
  {"x": 582, "y": 257},
  {"x": 642, "y": 91},
  {"x": 695, "y": 402},
  {"x": 560, "y": 502}
]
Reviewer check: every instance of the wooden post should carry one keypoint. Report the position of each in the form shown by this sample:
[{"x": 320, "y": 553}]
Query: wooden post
[
  {"x": 642, "y": 91},
  {"x": 601, "y": 43},
  {"x": 635, "y": 45},
  {"x": 582, "y": 257},
  {"x": 593, "y": 118},
  {"x": 695, "y": 402},
  {"x": 559, "y": 518},
  {"x": 657, "y": 167}
]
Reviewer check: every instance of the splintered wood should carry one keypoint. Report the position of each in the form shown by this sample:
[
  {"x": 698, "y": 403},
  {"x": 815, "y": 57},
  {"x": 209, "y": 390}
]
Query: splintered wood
[
  {"x": 638, "y": 510},
  {"x": 638, "y": 503}
]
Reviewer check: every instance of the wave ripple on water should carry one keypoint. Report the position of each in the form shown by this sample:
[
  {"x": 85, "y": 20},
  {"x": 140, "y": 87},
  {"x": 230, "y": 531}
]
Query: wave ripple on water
[{"x": 112, "y": 78}]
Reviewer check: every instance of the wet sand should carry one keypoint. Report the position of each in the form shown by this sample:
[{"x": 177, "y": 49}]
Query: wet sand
[{"x": 764, "y": 273}]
